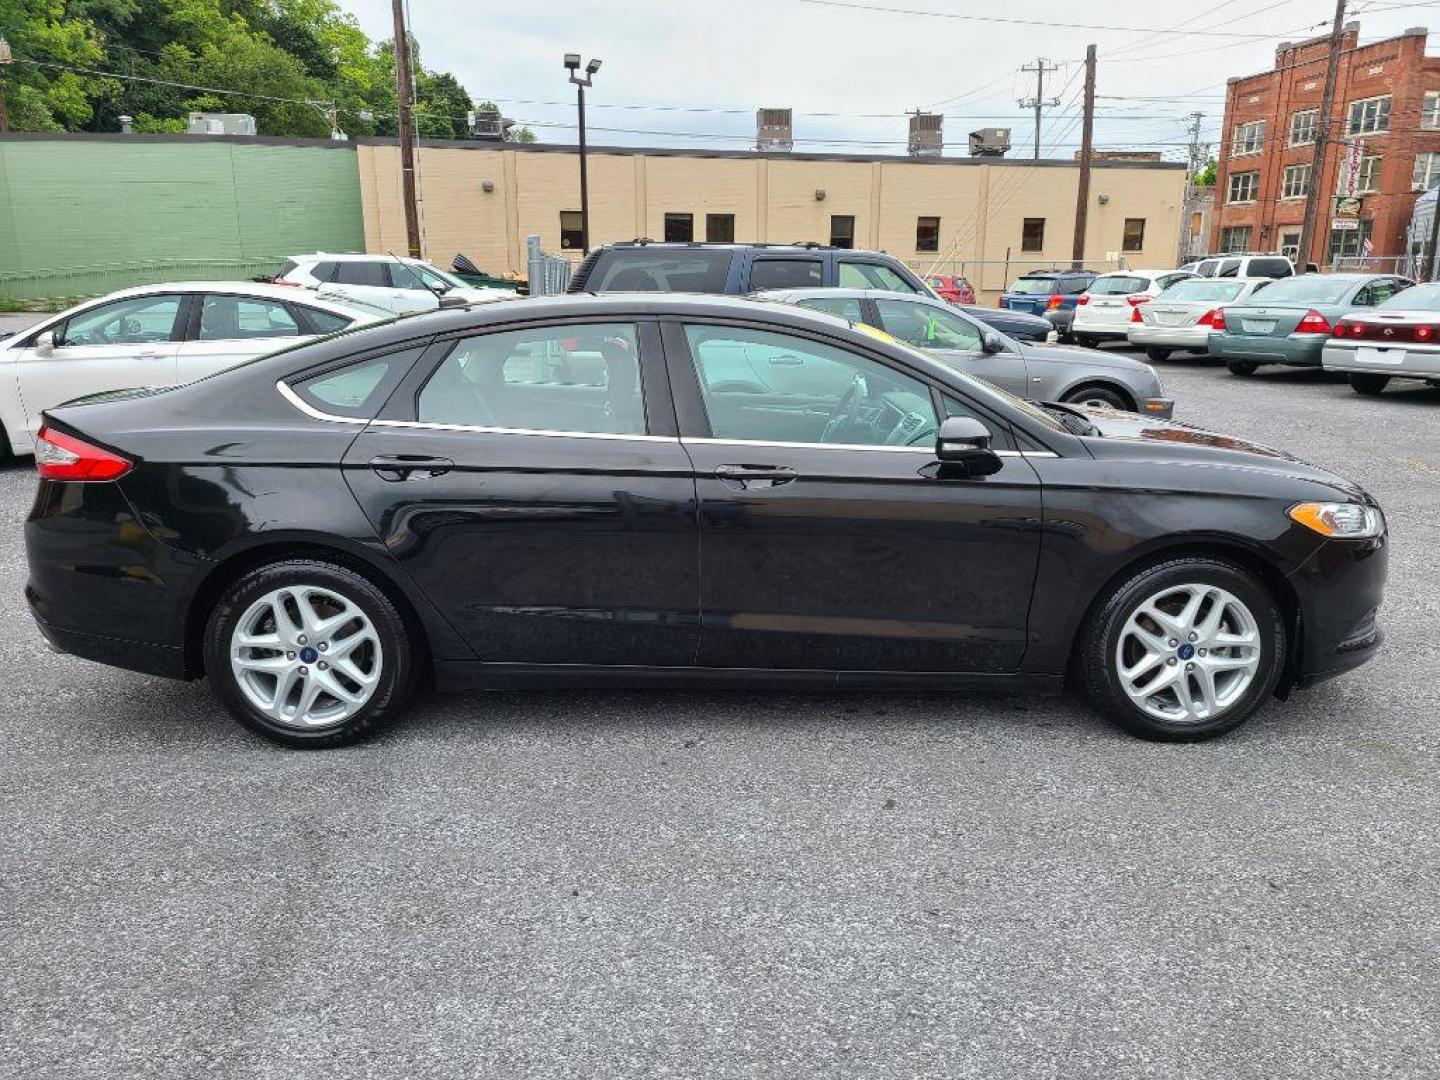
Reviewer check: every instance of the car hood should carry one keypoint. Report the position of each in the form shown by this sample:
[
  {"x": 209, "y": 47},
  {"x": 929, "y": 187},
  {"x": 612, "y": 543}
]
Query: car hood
[{"x": 1131, "y": 435}]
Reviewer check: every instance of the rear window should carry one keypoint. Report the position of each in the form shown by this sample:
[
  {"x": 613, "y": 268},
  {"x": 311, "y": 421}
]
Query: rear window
[
  {"x": 1415, "y": 298},
  {"x": 1271, "y": 268},
  {"x": 1311, "y": 289},
  {"x": 1117, "y": 286},
  {"x": 660, "y": 270},
  {"x": 1206, "y": 291},
  {"x": 1033, "y": 286}
]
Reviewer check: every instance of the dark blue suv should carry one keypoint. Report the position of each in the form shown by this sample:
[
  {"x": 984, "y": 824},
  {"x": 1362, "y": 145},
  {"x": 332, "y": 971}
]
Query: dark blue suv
[{"x": 1049, "y": 293}]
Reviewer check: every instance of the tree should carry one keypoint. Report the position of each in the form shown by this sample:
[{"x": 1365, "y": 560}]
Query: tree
[{"x": 1206, "y": 176}]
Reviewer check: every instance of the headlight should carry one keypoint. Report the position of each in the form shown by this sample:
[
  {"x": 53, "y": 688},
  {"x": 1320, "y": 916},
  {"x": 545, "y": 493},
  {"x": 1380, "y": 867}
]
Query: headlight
[{"x": 1343, "y": 521}]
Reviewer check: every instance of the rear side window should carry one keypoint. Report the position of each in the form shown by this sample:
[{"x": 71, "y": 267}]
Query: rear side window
[
  {"x": 1118, "y": 286},
  {"x": 660, "y": 270},
  {"x": 375, "y": 274},
  {"x": 786, "y": 274},
  {"x": 1229, "y": 268},
  {"x": 357, "y": 389},
  {"x": 1271, "y": 268},
  {"x": 324, "y": 322},
  {"x": 847, "y": 307},
  {"x": 865, "y": 275}
]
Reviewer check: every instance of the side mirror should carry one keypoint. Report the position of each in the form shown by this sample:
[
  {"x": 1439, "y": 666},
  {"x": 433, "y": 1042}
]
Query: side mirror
[
  {"x": 447, "y": 303},
  {"x": 991, "y": 343},
  {"x": 965, "y": 442},
  {"x": 45, "y": 343}
]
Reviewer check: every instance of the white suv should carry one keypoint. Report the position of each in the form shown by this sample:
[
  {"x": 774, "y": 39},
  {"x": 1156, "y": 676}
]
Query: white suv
[
  {"x": 391, "y": 282},
  {"x": 1106, "y": 307},
  {"x": 1243, "y": 266}
]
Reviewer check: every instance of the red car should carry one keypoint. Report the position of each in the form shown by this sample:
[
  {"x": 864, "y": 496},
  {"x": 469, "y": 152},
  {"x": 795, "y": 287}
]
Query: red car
[{"x": 952, "y": 287}]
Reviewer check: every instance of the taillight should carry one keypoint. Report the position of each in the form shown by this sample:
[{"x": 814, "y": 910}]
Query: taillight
[
  {"x": 63, "y": 457},
  {"x": 1214, "y": 318},
  {"x": 1312, "y": 322},
  {"x": 1137, "y": 298},
  {"x": 1424, "y": 333},
  {"x": 1084, "y": 298},
  {"x": 1135, "y": 314},
  {"x": 1054, "y": 302},
  {"x": 1349, "y": 329}
]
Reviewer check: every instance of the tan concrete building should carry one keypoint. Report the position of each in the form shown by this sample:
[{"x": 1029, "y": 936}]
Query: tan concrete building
[{"x": 484, "y": 199}]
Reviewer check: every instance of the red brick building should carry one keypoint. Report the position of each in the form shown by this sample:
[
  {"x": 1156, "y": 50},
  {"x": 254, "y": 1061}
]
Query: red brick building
[{"x": 1386, "y": 94}]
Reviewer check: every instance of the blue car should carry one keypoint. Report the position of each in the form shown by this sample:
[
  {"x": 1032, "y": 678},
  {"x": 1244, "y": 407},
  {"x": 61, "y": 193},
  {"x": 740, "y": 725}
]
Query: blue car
[{"x": 1051, "y": 294}]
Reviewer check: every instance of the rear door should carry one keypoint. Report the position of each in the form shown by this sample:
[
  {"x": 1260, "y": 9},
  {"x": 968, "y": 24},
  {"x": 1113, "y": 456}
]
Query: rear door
[
  {"x": 829, "y": 539},
  {"x": 531, "y": 483},
  {"x": 227, "y": 328},
  {"x": 131, "y": 342}
]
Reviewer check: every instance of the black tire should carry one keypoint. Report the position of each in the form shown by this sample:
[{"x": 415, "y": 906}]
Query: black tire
[
  {"x": 6, "y": 454},
  {"x": 1242, "y": 367},
  {"x": 1086, "y": 341},
  {"x": 1100, "y": 395},
  {"x": 398, "y": 672},
  {"x": 1364, "y": 383},
  {"x": 1155, "y": 353},
  {"x": 1095, "y": 663},
  {"x": 1064, "y": 337}
]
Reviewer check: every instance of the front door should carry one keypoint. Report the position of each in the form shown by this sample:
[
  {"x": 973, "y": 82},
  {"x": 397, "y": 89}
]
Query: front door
[
  {"x": 111, "y": 346},
  {"x": 522, "y": 488},
  {"x": 829, "y": 539},
  {"x": 955, "y": 339}
]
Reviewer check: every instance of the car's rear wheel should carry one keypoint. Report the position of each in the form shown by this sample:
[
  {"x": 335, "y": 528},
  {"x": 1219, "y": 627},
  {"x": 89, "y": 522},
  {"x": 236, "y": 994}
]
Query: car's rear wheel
[
  {"x": 309, "y": 654},
  {"x": 1086, "y": 340},
  {"x": 1183, "y": 650},
  {"x": 1242, "y": 367},
  {"x": 1364, "y": 383},
  {"x": 1100, "y": 397},
  {"x": 1156, "y": 353}
]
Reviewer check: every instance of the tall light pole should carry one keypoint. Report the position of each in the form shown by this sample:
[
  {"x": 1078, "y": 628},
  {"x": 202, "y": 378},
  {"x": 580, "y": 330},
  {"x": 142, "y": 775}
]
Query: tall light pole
[{"x": 572, "y": 64}]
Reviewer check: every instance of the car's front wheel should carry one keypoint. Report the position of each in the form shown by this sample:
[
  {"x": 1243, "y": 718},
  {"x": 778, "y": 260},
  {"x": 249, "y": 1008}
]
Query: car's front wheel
[
  {"x": 1183, "y": 650},
  {"x": 1364, "y": 383},
  {"x": 309, "y": 654},
  {"x": 1242, "y": 367},
  {"x": 1100, "y": 397}
]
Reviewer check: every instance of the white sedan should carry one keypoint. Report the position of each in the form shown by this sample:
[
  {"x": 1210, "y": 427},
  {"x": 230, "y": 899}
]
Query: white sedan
[
  {"x": 1399, "y": 339},
  {"x": 155, "y": 335}
]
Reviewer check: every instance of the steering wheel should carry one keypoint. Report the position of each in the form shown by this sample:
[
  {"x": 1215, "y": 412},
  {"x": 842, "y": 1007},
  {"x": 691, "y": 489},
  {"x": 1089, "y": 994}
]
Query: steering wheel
[
  {"x": 847, "y": 409},
  {"x": 912, "y": 429}
]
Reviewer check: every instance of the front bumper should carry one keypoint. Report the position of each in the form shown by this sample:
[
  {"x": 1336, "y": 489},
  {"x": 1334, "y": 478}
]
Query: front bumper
[
  {"x": 1171, "y": 337},
  {"x": 1340, "y": 588},
  {"x": 1295, "y": 350},
  {"x": 1411, "y": 361}
]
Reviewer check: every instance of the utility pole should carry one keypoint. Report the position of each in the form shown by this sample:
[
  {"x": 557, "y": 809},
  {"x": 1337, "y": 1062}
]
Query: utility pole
[
  {"x": 1197, "y": 162},
  {"x": 403, "y": 87},
  {"x": 1039, "y": 101},
  {"x": 1322, "y": 135},
  {"x": 1087, "y": 133},
  {"x": 5, "y": 58}
]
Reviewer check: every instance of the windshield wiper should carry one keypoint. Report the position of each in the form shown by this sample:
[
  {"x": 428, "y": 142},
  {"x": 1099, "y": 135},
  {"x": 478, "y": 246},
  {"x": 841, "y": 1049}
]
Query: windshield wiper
[{"x": 1074, "y": 422}]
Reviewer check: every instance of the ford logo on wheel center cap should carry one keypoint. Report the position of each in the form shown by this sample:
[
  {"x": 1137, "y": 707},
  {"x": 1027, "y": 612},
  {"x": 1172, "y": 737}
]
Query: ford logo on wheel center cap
[
  {"x": 1185, "y": 652},
  {"x": 309, "y": 655}
]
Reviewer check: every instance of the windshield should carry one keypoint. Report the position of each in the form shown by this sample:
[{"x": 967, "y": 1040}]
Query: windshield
[
  {"x": 1032, "y": 286},
  {"x": 1117, "y": 286},
  {"x": 1207, "y": 291},
  {"x": 1311, "y": 289},
  {"x": 433, "y": 276},
  {"x": 1415, "y": 298}
]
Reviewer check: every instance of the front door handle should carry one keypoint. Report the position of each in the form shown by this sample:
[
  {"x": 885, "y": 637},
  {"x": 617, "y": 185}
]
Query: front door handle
[
  {"x": 743, "y": 476},
  {"x": 395, "y": 467}
]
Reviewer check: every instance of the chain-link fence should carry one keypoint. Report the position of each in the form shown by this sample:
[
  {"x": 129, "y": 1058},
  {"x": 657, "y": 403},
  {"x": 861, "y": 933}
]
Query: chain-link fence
[
  {"x": 990, "y": 277},
  {"x": 549, "y": 274}
]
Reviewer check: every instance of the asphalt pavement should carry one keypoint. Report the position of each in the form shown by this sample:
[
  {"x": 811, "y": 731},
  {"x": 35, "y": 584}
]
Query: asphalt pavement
[{"x": 738, "y": 884}]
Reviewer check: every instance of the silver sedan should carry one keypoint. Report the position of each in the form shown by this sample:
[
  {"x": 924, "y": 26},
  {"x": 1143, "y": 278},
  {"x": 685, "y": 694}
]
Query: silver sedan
[{"x": 1038, "y": 372}]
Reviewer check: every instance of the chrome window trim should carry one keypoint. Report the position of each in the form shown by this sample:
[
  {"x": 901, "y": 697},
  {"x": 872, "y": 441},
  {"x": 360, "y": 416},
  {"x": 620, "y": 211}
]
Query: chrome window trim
[
  {"x": 426, "y": 425},
  {"x": 310, "y": 410},
  {"x": 928, "y": 450}
]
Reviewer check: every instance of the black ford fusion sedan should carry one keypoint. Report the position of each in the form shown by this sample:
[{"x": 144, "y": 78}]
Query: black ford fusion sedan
[{"x": 636, "y": 488}]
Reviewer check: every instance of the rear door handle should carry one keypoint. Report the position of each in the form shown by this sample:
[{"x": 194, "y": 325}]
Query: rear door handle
[
  {"x": 403, "y": 466},
  {"x": 757, "y": 475}
]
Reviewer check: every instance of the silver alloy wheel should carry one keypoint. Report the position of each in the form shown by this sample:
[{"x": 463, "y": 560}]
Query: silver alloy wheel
[
  {"x": 305, "y": 656},
  {"x": 1188, "y": 653}
]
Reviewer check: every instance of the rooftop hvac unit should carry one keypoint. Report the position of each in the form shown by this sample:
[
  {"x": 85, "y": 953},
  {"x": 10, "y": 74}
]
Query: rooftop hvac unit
[
  {"x": 209, "y": 123},
  {"x": 990, "y": 142},
  {"x": 926, "y": 137},
  {"x": 488, "y": 125},
  {"x": 773, "y": 130}
]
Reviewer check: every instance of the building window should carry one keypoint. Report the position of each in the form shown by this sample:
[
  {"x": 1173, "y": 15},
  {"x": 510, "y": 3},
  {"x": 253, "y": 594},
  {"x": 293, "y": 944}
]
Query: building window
[
  {"x": 842, "y": 230},
  {"x": 572, "y": 236},
  {"x": 1302, "y": 127},
  {"x": 1290, "y": 245},
  {"x": 1243, "y": 187},
  {"x": 1235, "y": 238},
  {"x": 1370, "y": 115},
  {"x": 1248, "y": 138},
  {"x": 1427, "y": 172},
  {"x": 679, "y": 228},
  {"x": 1349, "y": 243},
  {"x": 1367, "y": 179},
  {"x": 1032, "y": 234},
  {"x": 1297, "y": 182},
  {"x": 1430, "y": 112},
  {"x": 927, "y": 234},
  {"x": 1134, "y": 237},
  {"x": 720, "y": 228}
]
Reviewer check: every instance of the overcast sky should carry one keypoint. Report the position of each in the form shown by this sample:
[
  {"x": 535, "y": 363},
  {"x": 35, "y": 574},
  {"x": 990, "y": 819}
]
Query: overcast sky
[{"x": 724, "y": 58}]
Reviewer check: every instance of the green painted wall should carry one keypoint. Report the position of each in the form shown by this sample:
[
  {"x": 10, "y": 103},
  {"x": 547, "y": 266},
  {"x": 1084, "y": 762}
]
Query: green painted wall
[{"x": 79, "y": 216}]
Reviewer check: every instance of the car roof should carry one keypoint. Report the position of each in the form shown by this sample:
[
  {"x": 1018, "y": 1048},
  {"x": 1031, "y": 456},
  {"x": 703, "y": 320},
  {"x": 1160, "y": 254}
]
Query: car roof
[
  {"x": 264, "y": 289},
  {"x": 799, "y": 245},
  {"x": 1058, "y": 273},
  {"x": 806, "y": 294},
  {"x": 355, "y": 256}
]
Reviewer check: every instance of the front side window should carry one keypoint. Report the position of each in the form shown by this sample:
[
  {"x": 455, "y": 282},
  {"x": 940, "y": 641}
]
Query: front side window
[
  {"x": 1302, "y": 127},
  {"x": 224, "y": 317},
  {"x": 1370, "y": 115},
  {"x": 1243, "y": 187},
  {"x": 679, "y": 228},
  {"x": 1235, "y": 238},
  {"x": 847, "y": 307},
  {"x": 786, "y": 274},
  {"x": 927, "y": 234},
  {"x": 927, "y": 326},
  {"x": 1134, "y": 237},
  {"x": 580, "y": 377},
  {"x": 572, "y": 236},
  {"x": 762, "y": 386},
  {"x": 864, "y": 275},
  {"x": 360, "y": 388},
  {"x": 1248, "y": 138},
  {"x": 140, "y": 320},
  {"x": 1297, "y": 182},
  {"x": 1427, "y": 172},
  {"x": 720, "y": 228},
  {"x": 1032, "y": 234}
]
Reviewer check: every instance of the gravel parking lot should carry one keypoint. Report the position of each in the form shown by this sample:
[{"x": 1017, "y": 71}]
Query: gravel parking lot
[{"x": 743, "y": 885}]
